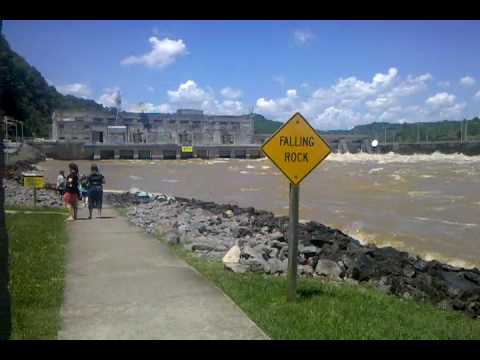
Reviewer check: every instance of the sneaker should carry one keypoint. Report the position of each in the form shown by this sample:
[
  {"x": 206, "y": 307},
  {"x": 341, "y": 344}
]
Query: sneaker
[{"x": 70, "y": 218}]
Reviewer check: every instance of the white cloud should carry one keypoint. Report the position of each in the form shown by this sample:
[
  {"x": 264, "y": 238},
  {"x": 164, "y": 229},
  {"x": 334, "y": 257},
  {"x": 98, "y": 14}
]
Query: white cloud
[
  {"x": 151, "y": 108},
  {"x": 110, "y": 97},
  {"x": 385, "y": 79},
  {"x": 281, "y": 107},
  {"x": 441, "y": 100},
  {"x": 379, "y": 103},
  {"x": 467, "y": 81},
  {"x": 189, "y": 93},
  {"x": 231, "y": 93},
  {"x": 302, "y": 37},
  {"x": 477, "y": 95},
  {"x": 351, "y": 87},
  {"x": 335, "y": 117},
  {"x": 291, "y": 93},
  {"x": 351, "y": 101},
  {"x": 76, "y": 89},
  {"x": 230, "y": 107},
  {"x": 164, "y": 52},
  {"x": 144, "y": 107},
  {"x": 165, "y": 108},
  {"x": 268, "y": 106},
  {"x": 442, "y": 106},
  {"x": 411, "y": 86}
]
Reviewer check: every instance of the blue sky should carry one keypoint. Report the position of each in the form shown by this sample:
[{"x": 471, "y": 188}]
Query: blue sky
[{"x": 336, "y": 73}]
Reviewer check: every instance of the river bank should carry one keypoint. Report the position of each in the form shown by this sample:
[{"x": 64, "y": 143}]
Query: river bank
[
  {"x": 422, "y": 204},
  {"x": 256, "y": 241}
]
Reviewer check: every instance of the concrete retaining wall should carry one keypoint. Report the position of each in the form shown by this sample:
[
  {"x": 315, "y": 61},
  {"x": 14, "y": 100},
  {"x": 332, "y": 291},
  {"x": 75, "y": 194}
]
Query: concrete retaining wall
[
  {"x": 80, "y": 151},
  {"x": 25, "y": 153}
]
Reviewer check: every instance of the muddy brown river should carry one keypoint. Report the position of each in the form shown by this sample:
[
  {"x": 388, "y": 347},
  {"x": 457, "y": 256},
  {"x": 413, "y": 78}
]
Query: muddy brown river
[{"x": 425, "y": 204}]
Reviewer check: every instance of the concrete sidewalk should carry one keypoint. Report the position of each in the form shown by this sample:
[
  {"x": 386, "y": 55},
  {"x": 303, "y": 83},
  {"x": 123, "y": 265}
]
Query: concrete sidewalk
[{"x": 123, "y": 284}]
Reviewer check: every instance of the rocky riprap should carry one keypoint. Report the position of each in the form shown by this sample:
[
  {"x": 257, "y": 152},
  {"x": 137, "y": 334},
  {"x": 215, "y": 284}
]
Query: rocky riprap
[
  {"x": 256, "y": 241},
  {"x": 17, "y": 195},
  {"x": 14, "y": 172}
]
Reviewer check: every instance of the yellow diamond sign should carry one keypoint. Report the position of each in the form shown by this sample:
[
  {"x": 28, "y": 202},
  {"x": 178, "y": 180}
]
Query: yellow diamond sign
[{"x": 296, "y": 148}]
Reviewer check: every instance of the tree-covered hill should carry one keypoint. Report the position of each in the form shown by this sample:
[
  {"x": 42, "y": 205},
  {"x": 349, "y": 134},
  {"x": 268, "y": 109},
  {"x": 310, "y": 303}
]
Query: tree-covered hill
[
  {"x": 423, "y": 131},
  {"x": 265, "y": 126},
  {"x": 26, "y": 96},
  {"x": 409, "y": 132}
]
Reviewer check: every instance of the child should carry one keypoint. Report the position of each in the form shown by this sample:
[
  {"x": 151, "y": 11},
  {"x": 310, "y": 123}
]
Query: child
[
  {"x": 61, "y": 183},
  {"x": 72, "y": 195},
  {"x": 83, "y": 187},
  {"x": 95, "y": 191}
]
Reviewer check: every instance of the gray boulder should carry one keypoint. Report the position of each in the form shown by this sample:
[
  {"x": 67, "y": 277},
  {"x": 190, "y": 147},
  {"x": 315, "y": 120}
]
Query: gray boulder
[
  {"x": 309, "y": 251},
  {"x": 255, "y": 264},
  {"x": 328, "y": 268},
  {"x": 277, "y": 266},
  {"x": 277, "y": 235}
]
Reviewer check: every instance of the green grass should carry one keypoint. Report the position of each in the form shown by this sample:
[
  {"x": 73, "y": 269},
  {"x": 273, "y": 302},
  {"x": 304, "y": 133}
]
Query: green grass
[
  {"x": 37, "y": 270},
  {"x": 332, "y": 311}
]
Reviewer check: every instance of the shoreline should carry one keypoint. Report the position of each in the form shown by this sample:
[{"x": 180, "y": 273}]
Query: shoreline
[{"x": 256, "y": 241}]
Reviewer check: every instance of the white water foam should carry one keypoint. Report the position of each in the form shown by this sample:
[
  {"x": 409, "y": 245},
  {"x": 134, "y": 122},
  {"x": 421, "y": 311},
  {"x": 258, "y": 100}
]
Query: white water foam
[
  {"x": 445, "y": 222},
  {"x": 249, "y": 189},
  {"x": 372, "y": 171},
  {"x": 397, "y": 177},
  {"x": 133, "y": 177},
  {"x": 397, "y": 158},
  {"x": 211, "y": 162}
]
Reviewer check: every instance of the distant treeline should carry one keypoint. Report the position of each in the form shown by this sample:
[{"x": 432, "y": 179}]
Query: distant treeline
[
  {"x": 422, "y": 131},
  {"x": 408, "y": 132},
  {"x": 26, "y": 96}
]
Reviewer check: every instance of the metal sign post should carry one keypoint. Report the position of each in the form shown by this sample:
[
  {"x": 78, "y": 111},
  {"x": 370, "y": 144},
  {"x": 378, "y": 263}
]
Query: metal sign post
[
  {"x": 293, "y": 242},
  {"x": 296, "y": 149},
  {"x": 34, "y": 195}
]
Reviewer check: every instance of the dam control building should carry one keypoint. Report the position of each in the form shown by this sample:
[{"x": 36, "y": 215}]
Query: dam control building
[{"x": 156, "y": 135}]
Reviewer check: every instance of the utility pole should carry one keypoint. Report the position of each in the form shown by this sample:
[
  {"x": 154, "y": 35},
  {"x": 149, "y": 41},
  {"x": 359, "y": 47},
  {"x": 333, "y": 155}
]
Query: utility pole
[
  {"x": 5, "y": 299},
  {"x": 466, "y": 131},
  {"x": 461, "y": 132}
]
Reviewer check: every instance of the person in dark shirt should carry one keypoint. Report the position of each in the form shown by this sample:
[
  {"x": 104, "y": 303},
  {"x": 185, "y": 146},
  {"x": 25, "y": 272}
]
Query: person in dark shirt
[
  {"x": 95, "y": 191},
  {"x": 72, "y": 194}
]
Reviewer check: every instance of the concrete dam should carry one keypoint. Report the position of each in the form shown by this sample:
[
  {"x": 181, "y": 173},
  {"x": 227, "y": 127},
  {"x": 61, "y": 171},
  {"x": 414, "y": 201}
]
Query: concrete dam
[{"x": 80, "y": 135}]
